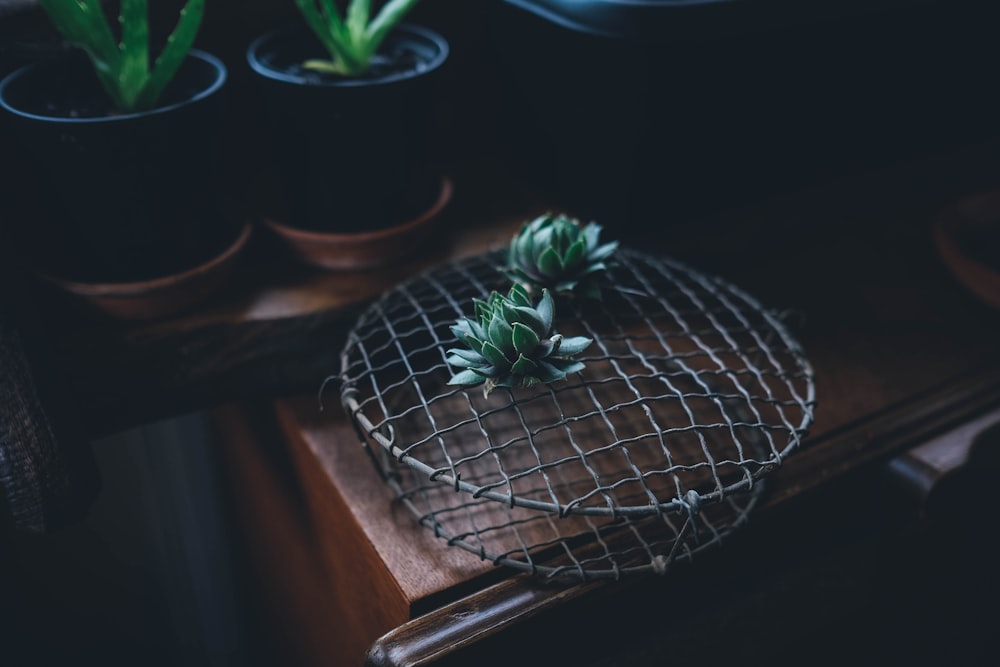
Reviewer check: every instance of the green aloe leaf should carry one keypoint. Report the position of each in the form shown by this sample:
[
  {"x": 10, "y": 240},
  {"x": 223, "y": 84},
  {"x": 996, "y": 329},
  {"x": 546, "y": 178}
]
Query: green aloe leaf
[
  {"x": 83, "y": 24},
  {"x": 358, "y": 12},
  {"x": 391, "y": 14},
  {"x": 351, "y": 41},
  {"x": 178, "y": 45},
  {"x": 122, "y": 64},
  {"x": 133, "y": 66}
]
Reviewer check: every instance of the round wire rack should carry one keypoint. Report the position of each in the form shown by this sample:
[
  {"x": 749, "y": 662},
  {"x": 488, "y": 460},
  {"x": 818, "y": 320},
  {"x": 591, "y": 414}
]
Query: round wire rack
[{"x": 691, "y": 394}]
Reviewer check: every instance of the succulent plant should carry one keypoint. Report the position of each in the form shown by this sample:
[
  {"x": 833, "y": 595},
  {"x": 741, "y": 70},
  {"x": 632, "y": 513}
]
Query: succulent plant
[
  {"x": 556, "y": 252},
  {"x": 511, "y": 343},
  {"x": 351, "y": 39},
  {"x": 122, "y": 63}
]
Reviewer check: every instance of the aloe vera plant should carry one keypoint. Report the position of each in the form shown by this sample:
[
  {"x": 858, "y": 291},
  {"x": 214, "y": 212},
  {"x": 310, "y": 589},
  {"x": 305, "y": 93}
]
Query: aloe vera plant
[
  {"x": 558, "y": 253},
  {"x": 352, "y": 38},
  {"x": 122, "y": 63},
  {"x": 510, "y": 343}
]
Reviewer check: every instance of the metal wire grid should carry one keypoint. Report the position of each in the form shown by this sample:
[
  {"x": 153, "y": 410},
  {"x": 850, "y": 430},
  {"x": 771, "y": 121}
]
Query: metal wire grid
[{"x": 690, "y": 395}]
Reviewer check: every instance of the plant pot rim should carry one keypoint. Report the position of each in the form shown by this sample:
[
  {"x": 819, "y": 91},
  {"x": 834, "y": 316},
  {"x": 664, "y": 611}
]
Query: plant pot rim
[
  {"x": 25, "y": 70},
  {"x": 259, "y": 44}
]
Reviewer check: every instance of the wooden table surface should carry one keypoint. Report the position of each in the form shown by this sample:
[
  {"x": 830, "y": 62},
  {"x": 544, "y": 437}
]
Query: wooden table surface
[{"x": 907, "y": 377}]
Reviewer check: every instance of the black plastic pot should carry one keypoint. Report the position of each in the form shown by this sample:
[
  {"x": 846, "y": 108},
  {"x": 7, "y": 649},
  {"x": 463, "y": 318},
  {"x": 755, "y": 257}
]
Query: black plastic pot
[
  {"x": 120, "y": 197},
  {"x": 347, "y": 154}
]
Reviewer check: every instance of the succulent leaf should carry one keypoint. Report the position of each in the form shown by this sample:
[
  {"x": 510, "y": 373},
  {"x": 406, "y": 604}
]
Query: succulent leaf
[
  {"x": 524, "y": 366},
  {"x": 546, "y": 310},
  {"x": 573, "y": 345},
  {"x": 574, "y": 367},
  {"x": 546, "y": 346},
  {"x": 483, "y": 310},
  {"x": 501, "y": 334},
  {"x": 467, "y": 376},
  {"x": 519, "y": 295},
  {"x": 550, "y": 262},
  {"x": 525, "y": 339},
  {"x": 531, "y": 318},
  {"x": 494, "y": 355},
  {"x": 575, "y": 254},
  {"x": 547, "y": 372},
  {"x": 557, "y": 253},
  {"x": 466, "y": 359},
  {"x": 512, "y": 343},
  {"x": 461, "y": 328}
]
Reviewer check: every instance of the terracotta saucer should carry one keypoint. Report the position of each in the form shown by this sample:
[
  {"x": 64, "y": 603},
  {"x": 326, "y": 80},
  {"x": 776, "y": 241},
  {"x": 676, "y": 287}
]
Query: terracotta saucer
[
  {"x": 963, "y": 233},
  {"x": 159, "y": 297},
  {"x": 362, "y": 250}
]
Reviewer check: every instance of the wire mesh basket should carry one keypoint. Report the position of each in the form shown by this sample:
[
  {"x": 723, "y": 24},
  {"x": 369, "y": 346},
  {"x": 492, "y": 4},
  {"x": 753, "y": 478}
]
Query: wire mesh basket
[{"x": 690, "y": 395}]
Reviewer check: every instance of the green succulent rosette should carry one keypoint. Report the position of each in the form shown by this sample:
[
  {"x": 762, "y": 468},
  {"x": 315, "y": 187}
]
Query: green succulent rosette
[
  {"x": 558, "y": 253},
  {"x": 510, "y": 343}
]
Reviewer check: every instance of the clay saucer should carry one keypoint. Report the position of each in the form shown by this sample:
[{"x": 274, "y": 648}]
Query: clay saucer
[
  {"x": 965, "y": 235},
  {"x": 362, "y": 250},
  {"x": 163, "y": 296}
]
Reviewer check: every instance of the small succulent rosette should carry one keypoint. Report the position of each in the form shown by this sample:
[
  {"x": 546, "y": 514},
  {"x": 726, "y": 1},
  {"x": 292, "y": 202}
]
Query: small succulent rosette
[
  {"x": 556, "y": 252},
  {"x": 510, "y": 343}
]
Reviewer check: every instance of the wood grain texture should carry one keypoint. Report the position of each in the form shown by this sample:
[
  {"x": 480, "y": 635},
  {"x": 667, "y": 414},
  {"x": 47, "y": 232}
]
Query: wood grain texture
[
  {"x": 343, "y": 563},
  {"x": 281, "y": 562},
  {"x": 460, "y": 608},
  {"x": 329, "y": 451},
  {"x": 820, "y": 496},
  {"x": 334, "y": 562}
]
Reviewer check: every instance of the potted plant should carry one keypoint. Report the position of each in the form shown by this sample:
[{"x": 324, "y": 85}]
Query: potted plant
[
  {"x": 121, "y": 139},
  {"x": 346, "y": 97}
]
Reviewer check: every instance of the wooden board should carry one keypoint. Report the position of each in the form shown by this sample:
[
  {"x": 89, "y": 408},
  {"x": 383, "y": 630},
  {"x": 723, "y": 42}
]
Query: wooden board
[{"x": 333, "y": 561}]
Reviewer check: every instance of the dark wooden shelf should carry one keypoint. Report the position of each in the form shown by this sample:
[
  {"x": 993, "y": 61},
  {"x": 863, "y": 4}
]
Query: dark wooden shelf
[
  {"x": 852, "y": 261},
  {"x": 277, "y": 326}
]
